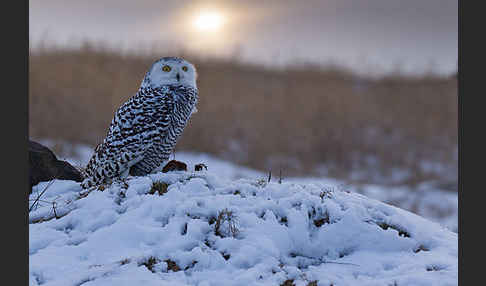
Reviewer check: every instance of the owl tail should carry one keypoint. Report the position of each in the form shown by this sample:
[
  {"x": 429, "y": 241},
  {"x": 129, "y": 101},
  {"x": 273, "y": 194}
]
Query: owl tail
[{"x": 87, "y": 183}]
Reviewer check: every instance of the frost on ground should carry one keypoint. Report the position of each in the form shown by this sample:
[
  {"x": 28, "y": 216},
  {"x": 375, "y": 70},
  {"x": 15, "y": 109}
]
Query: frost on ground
[
  {"x": 196, "y": 228},
  {"x": 426, "y": 200}
]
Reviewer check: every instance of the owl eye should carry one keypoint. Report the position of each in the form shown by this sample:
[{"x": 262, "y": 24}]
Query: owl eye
[
  {"x": 166, "y": 68},
  {"x": 184, "y": 68}
]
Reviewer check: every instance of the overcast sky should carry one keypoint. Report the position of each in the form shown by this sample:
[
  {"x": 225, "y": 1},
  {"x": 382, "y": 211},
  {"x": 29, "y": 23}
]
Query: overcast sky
[{"x": 366, "y": 35}]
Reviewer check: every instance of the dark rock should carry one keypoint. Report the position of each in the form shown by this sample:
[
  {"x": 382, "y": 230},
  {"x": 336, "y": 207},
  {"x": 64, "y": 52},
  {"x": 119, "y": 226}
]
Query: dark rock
[
  {"x": 174, "y": 166},
  {"x": 44, "y": 166},
  {"x": 171, "y": 265},
  {"x": 200, "y": 166}
]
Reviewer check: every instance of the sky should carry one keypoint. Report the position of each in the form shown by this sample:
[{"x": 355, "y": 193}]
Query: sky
[{"x": 368, "y": 36}]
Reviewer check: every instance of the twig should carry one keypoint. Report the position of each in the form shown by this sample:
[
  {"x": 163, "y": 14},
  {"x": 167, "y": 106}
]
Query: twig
[
  {"x": 54, "y": 208},
  {"x": 321, "y": 260},
  {"x": 42, "y": 201},
  {"x": 39, "y": 196},
  {"x": 343, "y": 263}
]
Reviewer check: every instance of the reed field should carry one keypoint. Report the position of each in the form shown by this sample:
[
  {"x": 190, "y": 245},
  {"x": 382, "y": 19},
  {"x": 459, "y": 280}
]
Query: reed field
[{"x": 303, "y": 119}]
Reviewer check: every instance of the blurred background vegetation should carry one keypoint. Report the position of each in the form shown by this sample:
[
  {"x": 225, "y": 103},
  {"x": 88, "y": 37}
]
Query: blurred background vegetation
[{"x": 303, "y": 119}]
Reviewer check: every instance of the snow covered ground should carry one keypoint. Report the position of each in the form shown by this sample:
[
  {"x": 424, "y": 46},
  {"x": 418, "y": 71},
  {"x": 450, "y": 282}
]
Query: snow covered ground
[
  {"x": 426, "y": 200},
  {"x": 208, "y": 228}
]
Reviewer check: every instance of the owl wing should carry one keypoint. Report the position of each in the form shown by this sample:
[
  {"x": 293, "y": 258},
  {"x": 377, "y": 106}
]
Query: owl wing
[
  {"x": 156, "y": 152},
  {"x": 168, "y": 131},
  {"x": 128, "y": 138}
]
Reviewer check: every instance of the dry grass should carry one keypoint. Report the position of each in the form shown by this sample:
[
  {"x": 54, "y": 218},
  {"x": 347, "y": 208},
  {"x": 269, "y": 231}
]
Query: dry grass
[
  {"x": 230, "y": 229},
  {"x": 295, "y": 119},
  {"x": 160, "y": 187}
]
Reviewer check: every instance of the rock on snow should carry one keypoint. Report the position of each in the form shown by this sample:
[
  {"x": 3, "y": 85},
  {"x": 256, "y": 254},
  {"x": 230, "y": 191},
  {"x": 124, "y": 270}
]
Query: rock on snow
[{"x": 204, "y": 230}]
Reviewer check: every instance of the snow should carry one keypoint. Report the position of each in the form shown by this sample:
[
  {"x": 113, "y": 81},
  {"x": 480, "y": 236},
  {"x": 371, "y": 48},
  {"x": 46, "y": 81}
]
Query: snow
[
  {"x": 268, "y": 232},
  {"x": 426, "y": 200}
]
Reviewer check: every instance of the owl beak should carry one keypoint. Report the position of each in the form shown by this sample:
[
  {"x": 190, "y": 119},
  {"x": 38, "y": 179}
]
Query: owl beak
[{"x": 178, "y": 76}]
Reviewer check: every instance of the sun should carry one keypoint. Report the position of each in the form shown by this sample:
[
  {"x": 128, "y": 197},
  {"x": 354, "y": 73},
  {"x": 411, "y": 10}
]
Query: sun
[{"x": 208, "y": 21}]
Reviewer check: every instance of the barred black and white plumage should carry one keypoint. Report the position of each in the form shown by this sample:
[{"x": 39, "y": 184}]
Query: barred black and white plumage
[{"x": 145, "y": 128}]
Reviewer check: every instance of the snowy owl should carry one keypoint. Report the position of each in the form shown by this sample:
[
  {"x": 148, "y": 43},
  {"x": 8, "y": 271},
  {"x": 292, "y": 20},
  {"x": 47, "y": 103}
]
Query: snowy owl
[{"x": 145, "y": 129}]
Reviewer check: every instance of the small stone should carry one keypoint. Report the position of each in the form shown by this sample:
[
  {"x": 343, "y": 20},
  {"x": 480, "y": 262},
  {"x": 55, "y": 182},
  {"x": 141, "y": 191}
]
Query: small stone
[
  {"x": 174, "y": 166},
  {"x": 200, "y": 166}
]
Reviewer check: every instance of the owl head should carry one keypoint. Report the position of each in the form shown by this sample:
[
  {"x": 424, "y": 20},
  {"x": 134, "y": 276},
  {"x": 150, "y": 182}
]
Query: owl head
[{"x": 170, "y": 71}]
